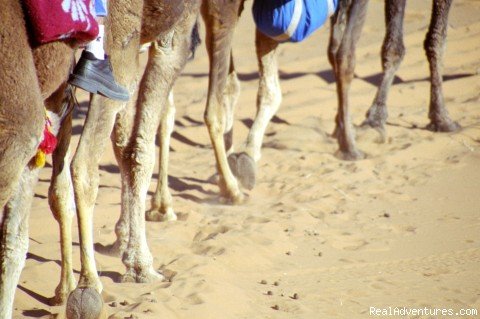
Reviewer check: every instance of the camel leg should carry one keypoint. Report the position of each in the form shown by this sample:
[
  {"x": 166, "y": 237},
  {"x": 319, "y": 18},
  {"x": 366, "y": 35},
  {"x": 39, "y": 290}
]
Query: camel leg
[
  {"x": 167, "y": 58},
  {"x": 162, "y": 206},
  {"x": 14, "y": 239},
  {"x": 21, "y": 125},
  {"x": 393, "y": 51},
  {"x": 269, "y": 95},
  {"x": 21, "y": 110},
  {"x": 120, "y": 137},
  {"x": 84, "y": 167},
  {"x": 269, "y": 98},
  {"x": 218, "y": 41},
  {"x": 123, "y": 42},
  {"x": 435, "y": 42},
  {"x": 345, "y": 32},
  {"x": 230, "y": 99},
  {"x": 62, "y": 204}
]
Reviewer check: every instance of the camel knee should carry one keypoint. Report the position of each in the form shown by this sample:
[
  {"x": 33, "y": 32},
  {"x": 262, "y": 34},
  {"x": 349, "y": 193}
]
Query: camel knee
[
  {"x": 270, "y": 94},
  {"x": 60, "y": 198},
  {"x": 78, "y": 170},
  {"x": 345, "y": 64},
  {"x": 333, "y": 46},
  {"x": 393, "y": 52},
  {"x": 214, "y": 120},
  {"x": 141, "y": 159},
  {"x": 434, "y": 46},
  {"x": 85, "y": 182}
]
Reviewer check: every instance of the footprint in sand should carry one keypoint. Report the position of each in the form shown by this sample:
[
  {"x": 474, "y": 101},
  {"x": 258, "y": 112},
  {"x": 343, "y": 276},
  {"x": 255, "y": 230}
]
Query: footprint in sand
[
  {"x": 204, "y": 241},
  {"x": 208, "y": 250},
  {"x": 194, "y": 299},
  {"x": 348, "y": 241},
  {"x": 208, "y": 233}
]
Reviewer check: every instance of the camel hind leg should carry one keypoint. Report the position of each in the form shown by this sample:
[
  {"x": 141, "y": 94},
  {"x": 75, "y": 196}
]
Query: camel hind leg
[
  {"x": 21, "y": 125},
  {"x": 21, "y": 109},
  {"x": 434, "y": 45},
  {"x": 14, "y": 238}
]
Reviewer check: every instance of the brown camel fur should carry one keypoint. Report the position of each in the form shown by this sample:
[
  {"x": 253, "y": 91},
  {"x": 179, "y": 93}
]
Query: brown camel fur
[
  {"x": 346, "y": 26},
  {"x": 169, "y": 24},
  {"x": 29, "y": 75},
  {"x": 393, "y": 51},
  {"x": 220, "y": 19},
  {"x": 132, "y": 127}
]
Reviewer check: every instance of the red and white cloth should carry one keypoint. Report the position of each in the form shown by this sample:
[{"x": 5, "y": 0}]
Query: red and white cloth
[{"x": 52, "y": 20}]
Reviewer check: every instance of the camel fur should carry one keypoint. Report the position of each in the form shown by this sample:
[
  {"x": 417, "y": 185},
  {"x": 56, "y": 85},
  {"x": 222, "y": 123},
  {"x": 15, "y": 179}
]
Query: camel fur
[
  {"x": 29, "y": 76},
  {"x": 346, "y": 27},
  {"x": 169, "y": 25}
]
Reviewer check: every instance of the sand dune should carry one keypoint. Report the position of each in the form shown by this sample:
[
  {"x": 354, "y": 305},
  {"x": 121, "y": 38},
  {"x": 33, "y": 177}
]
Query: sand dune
[{"x": 317, "y": 237}]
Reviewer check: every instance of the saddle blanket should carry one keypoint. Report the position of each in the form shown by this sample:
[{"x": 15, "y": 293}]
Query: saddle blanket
[
  {"x": 52, "y": 20},
  {"x": 291, "y": 20}
]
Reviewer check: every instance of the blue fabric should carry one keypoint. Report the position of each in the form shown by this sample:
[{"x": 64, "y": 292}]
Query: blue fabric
[
  {"x": 273, "y": 17},
  {"x": 101, "y": 8}
]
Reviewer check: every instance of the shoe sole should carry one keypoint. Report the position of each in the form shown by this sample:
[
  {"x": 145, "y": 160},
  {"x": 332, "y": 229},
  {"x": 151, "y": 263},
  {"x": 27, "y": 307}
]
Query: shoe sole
[{"x": 96, "y": 88}]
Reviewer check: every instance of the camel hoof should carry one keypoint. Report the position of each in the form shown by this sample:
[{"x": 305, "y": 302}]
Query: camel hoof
[
  {"x": 85, "y": 303},
  {"x": 336, "y": 133},
  {"x": 243, "y": 167},
  {"x": 379, "y": 128},
  {"x": 114, "y": 250},
  {"x": 142, "y": 276},
  {"x": 354, "y": 155},
  {"x": 59, "y": 299},
  {"x": 234, "y": 199},
  {"x": 61, "y": 294},
  {"x": 155, "y": 215},
  {"x": 443, "y": 126},
  {"x": 214, "y": 179}
]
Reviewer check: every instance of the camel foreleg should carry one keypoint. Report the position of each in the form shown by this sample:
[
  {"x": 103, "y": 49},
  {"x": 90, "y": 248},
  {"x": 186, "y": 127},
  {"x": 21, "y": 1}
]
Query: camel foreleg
[
  {"x": 218, "y": 41},
  {"x": 62, "y": 205},
  {"x": 230, "y": 99},
  {"x": 347, "y": 25},
  {"x": 269, "y": 98},
  {"x": 393, "y": 51},
  {"x": 166, "y": 59},
  {"x": 162, "y": 204}
]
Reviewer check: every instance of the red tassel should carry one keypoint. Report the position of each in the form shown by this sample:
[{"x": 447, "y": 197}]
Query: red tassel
[{"x": 49, "y": 142}]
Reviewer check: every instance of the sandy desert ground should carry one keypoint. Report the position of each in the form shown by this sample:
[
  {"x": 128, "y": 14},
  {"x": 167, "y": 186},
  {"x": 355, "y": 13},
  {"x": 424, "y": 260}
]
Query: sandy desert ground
[{"x": 318, "y": 237}]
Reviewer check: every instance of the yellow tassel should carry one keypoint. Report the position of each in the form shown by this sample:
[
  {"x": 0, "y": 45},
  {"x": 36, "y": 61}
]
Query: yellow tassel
[{"x": 39, "y": 160}]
